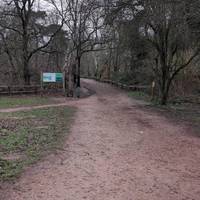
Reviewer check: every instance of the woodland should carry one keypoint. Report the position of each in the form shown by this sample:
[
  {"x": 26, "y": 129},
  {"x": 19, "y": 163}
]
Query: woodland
[{"x": 135, "y": 42}]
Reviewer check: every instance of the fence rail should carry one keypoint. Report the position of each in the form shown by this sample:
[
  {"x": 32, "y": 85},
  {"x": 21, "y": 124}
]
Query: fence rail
[
  {"x": 19, "y": 89},
  {"x": 124, "y": 86},
  {"x": 35, "y": 89}
]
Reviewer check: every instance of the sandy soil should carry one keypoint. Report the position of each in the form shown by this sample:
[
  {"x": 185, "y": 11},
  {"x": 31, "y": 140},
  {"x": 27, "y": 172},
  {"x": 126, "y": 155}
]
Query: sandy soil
[{"x": 115, "y": 151}]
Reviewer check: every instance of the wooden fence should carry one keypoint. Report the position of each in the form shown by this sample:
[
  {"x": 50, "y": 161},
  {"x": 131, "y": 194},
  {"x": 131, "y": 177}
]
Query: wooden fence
[
  {"x": 146, "y": 88},
  {"x": 15, "y": 90},
  {"x": 35, "y": 89}
]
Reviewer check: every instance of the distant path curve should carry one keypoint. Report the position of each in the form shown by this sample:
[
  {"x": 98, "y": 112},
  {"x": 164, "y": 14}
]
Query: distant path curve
[{"x": 115, "y": 151}]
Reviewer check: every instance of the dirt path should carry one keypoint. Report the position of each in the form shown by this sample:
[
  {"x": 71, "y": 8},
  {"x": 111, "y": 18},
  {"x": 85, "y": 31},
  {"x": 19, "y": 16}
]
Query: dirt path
[{"x": 115, "y": 151}]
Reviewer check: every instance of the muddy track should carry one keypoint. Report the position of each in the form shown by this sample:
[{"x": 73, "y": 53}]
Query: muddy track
[{"x": 115, "y": 151}]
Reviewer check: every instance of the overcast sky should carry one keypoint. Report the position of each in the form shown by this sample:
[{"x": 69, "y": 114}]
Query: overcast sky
[{"x": 43, "y": 5}]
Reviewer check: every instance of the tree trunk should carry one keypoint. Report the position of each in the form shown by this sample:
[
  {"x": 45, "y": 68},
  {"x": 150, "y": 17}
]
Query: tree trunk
[
  {"x": 70, "y": 81},
  {"x": 165, "y": 80},
  {"x": 165, "y": 91},
  {"x": 78, "y": 72},
  {"x": 164, "y": 98},
  {"x": 26, "y": 72}
]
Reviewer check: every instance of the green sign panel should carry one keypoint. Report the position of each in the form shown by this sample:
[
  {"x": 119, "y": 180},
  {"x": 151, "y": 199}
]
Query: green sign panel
[
  {"x": 52, "y": 77},
  {"x": 59, "y": 77}
]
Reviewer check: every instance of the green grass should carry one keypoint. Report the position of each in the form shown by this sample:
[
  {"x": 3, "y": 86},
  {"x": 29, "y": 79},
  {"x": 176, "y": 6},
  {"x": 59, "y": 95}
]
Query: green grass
[
  {"x": 178, "y": 110},
  {"x": 27, "y": 136},
  {"x": 139, "y": 95},
  {"x": 12, "y": 102}
]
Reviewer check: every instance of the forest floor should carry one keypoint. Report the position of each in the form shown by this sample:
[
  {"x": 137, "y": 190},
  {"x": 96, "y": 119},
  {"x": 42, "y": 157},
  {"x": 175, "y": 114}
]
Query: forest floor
[
  {"x": 24, "y": 100},
  {"x": 117, "y": 149},
  {"x": 180, "y": 111}
]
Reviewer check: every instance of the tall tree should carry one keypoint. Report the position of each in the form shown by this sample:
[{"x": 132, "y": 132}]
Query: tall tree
[
  {"x": 83, "y": 21},
  {"x": 167, "y": 30},
  {"x": 28, "y": 30},
  {"x": 165, "y": 25}
]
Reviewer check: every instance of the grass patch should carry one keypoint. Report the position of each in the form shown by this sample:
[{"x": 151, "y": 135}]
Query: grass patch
[
  {"x": 174, "y": 110},
  {"x": 27, "y": 136},
  {"x": 139, "y": 95},
  {"x": 12, "y": 102}
]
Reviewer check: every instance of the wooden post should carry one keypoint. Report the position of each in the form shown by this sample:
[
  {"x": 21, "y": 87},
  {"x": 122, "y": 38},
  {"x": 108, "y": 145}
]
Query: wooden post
[
  {"x": 64, "y": 84},
  {"x": 41, "y": 83},
  {"x": 9, "y": 90},
  {"x": 153, "y": 89}
]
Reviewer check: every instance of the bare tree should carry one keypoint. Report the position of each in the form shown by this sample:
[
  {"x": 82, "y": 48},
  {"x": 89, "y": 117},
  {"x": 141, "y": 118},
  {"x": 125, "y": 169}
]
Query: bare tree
[
  {"x": 83, "y": 20},
  {"x": 166, "y": 26},
  {"x": 167, "y": 30},
  {"x": 22, "y": 12}
]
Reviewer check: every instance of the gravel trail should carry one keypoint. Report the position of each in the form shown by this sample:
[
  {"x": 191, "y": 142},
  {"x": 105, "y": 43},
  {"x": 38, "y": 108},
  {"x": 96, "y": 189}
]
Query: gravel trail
[{"x": 115, "y": 151}]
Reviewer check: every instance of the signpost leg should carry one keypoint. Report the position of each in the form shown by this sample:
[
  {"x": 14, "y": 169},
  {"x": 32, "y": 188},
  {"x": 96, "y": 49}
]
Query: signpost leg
[
  {"x": 64, "y": 84},
  {"x": 41, "y": 83}
]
